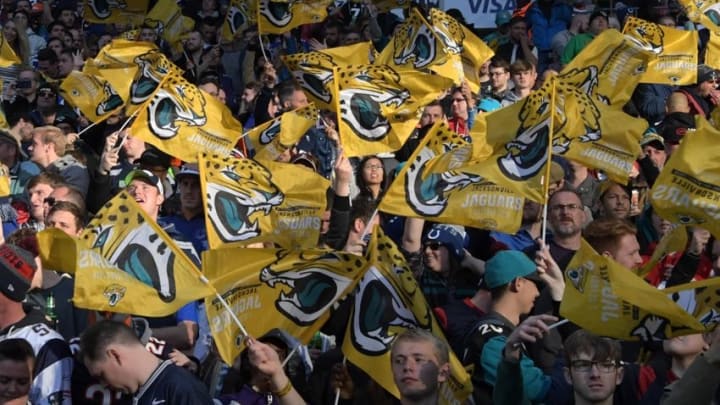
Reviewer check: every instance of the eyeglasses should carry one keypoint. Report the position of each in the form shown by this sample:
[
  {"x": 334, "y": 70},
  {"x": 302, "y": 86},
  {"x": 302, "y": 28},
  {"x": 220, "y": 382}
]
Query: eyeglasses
[
  {"x": 561, "y": 207},
  {"x": 50, "y": 201},
  {"x": 374, "y": 167},
  {"x": 585, "y": 366},
  {"x": 434, "y": 245}
]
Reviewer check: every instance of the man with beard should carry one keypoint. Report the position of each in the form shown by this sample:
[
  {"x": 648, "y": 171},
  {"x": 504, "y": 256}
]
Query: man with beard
[
  {"x": 530, "y": 229},
  {"x": 566, "y": 217}
]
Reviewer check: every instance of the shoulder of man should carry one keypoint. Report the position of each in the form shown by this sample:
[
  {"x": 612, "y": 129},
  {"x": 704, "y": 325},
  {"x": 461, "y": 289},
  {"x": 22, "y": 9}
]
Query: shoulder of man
[{"x": 175, "y": 385}]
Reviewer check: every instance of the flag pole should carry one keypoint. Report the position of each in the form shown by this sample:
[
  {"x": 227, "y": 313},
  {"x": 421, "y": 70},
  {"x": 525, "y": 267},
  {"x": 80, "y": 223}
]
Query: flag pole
[
  {"x": 225, "y": 305},
  {"x": 546, "y": 177},
  {"x": 122, "y": 127},
  {"x": 337, "y": 390}
]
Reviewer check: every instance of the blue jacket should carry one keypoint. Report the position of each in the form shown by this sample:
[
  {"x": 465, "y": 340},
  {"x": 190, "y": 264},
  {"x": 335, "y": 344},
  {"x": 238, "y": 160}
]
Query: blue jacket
[{"x": 544, "y": 30}]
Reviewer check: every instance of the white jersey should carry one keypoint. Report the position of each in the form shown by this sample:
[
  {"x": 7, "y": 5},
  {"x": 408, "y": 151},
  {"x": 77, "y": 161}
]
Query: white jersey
[{"x": 53, "y": 363}]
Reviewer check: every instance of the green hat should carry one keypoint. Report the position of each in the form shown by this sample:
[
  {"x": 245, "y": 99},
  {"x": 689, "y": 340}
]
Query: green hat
[{"x": 508, "y": 265}]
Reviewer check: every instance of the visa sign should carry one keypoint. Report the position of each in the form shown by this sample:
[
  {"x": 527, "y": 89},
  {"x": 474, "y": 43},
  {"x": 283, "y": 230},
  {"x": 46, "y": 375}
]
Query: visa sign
[{"x": 480, "y": 13}]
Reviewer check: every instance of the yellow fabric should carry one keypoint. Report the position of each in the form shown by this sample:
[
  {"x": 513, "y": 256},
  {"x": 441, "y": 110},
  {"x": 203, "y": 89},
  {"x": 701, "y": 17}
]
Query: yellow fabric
[
  {"x": 673, "y": 241},
  {"x": 314, "y": 70},
  {"x": 7, "y": 55},
  {"x": 167, "y": 16},
  {"x": 369, "y": 338},
  {"x": 246, "y": 201},
  {"x": 94, "y": 96},
  {"x": 182, "y": 120},
  {"x": 461, "y": 41},
  {"x": 378, "y": 107},
  {"x": 605, "y": 298},
  {"x": 585, "y": 128},
  {"x": 383, "y": 6},
  {"x": 276, "y": 136},
  {"x": 126, "y": 11},
  {"x": 712, "y": 49},
  {"x": 239, "y": 16},
  {"x": 124, "y": 262},
  {"x": 297, "y": 13},
  {"x": 675, "y": 62},
  {"x": 439, "y": 183},
  {"x": 271, "y": 288},
  {"x": 416, "y": 46},
  {"x": 687, "y": 191}
]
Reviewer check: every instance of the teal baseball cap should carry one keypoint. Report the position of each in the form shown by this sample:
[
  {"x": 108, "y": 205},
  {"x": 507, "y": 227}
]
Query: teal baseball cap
[{"x": 508, "y": 265}]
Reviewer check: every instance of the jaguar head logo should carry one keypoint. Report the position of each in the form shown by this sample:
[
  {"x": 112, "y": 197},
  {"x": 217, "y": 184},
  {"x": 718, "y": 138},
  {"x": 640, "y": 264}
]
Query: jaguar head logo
[
  {"x": 449, "y": 30},
  {"x": 270, "y": 133},
  {"x": 379, "y": 314},
  {"x": 310, "y": 286},
  {"x": 243, "y": 192},
  {"x": 237, "y": 17},
  {"x": 114, "y": 293},
  {"x": 139, "y": 251},
  {"x": 427, "y": 193},
  {"x": 648, "y": 36},
  {"x": 110, "y": 103},
  {"x": 176, "y": 104},
  {"x": 368, "y": 91},
  {"x": 414, "y": 42},
  {"x": 575, "y": 94},
  {"x": 102, "y": 9},
  {"x": 152, "y": 67},
  {"x": 313, "y": 73},
  {"x": 278, "y": 14}
]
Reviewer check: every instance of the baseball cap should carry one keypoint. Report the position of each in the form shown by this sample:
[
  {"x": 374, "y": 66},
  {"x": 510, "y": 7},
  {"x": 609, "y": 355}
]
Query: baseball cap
[
  {"x": 705, "y": 73},
  {"x": 597, "y": 14},
  {"x": 502, "y": 17},
  {"x": 188, "y": 169},
  {"x": 148, "y": 177},
  {"x": 508, "y": 265},
  {"x": 489, "y": 104},
  {"x": 153, "y": 158},
  {"x": 652, "y": 138},
  {"x": 17, "y": 266}
]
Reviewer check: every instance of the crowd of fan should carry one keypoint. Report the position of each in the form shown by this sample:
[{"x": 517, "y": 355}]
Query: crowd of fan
[{"x": 494, "y": 294}]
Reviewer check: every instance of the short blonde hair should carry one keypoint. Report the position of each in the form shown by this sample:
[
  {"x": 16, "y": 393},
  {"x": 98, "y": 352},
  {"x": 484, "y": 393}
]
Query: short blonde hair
[{"x": 54, "y": 135}]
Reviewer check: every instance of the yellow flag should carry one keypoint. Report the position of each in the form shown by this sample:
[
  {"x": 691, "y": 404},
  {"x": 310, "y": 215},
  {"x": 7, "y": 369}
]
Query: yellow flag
[
  {"x": 378, "y": 107},
  {"x": 126, "y": 263},
  {"x": 674, "y": 241},
  {"x": 314, "y": 70},
  {"x": 585, "y": 129},
  {"x": 387, "y": 302},
  {"x": 239, "y": 16},
  {"x": 700, "y": 299},
  {"x": 272, "y": 288},
  {"x": 124, "y": 11},
  {"x": 94, "y": 96},
  {"x": 434, "y": 185},
  {"x": 676, "y": 62},
  {"x": 416, "y": 46},
  {"x": 182, "y": 120},
  {"x": 246, "y": 201},
  {"x": 276, "y": 136},
  {"x": 7, "y": 55},
  {"x": 687, "y": 190},
  {"x": 620, "y": 63},
  {"x": 168, "y": 18},
  {"x": 278, "y": 17},
  {"x": 461, "y": 41},
  {"x": 605, "y": 298},
  {"x": 712, "y": 49},
  {"x": 4, "y": 181}
]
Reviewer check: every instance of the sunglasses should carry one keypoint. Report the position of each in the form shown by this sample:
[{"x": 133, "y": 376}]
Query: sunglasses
[
  {"x": 434, "y": 245},
  {"x": 46, "y": 93}
]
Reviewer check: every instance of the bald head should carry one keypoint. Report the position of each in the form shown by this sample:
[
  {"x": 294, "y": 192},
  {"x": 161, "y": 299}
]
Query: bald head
[{"x": 677, "y": 102}]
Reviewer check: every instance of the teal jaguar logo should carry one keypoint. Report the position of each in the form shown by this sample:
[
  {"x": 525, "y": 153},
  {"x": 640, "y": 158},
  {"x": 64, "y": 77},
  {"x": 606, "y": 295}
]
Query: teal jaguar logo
[
  {"x": 110, "y": 103},
  {"x": 415, "y": 42},
  {"x": 527, "y": 154},
  {"x": 152, "y": 68},
  {"x": 243, "y": 192},
  {"x": 310, "y": 286},
  {"x": 141, "y": 253},
  {"x": 102, "y": 9},
  {"x": 314, "y": 73},
  {"x": 114, "y": 293},
  {"x": 177, "y": 104},
  {"x": 427, "y": 193},
  {"x": 379, "y": 313},
  {"x": 270, "y": 133},
  {"x": 366, "y": 92},
  {"x": 278, "y": 14}
]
